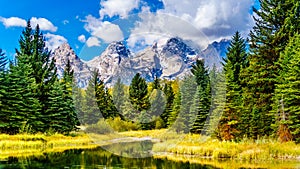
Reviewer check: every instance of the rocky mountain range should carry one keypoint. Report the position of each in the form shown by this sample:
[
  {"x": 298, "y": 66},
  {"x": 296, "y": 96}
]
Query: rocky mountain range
[{"x": 166, "y": 59}]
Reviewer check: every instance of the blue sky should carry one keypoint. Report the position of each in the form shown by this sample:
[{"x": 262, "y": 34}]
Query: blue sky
[{"x": 88, "y": 26}]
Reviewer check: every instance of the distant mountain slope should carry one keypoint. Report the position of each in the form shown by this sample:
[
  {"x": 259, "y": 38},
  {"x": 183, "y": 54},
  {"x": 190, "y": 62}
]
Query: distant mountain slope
[{"x": 167, "y": 59}]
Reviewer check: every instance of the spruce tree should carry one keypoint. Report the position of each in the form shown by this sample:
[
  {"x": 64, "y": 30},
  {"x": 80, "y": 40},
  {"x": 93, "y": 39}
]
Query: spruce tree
[
  {"x": 185, "y": 118},
  {"x": 118, "y": 94},
  {"x": 236, "y": 60},
  {"x": 202, "y": 98},
  {"x": 104, "y": 101},
  {"x": 3, "y": 92},
  {"x": 275, "y": 22},
  {"x": 33, "y": 55},
  {"x": 67, "y": 84},
  {"x": 22, "y": 106},
  {"x": 138, "y": 93},
  {"x": 91, "y": 112},
  {"x": 169, "y": 94},
  {"x": 287, "y": 96}
]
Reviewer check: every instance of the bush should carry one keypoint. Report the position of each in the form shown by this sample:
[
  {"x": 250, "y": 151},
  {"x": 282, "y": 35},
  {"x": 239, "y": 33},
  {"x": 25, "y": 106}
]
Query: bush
[
  {"x": 119, "y": 125},
  {"x": 102, "y": 127}
]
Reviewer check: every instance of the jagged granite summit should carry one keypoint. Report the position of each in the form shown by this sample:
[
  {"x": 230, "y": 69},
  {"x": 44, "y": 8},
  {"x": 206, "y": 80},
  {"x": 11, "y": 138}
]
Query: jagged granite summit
[
  {"x": 82, "y": 71},
  {"x": 167, "y": 59}
]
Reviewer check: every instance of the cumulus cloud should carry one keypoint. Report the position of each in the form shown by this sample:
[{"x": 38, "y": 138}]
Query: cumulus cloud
[
  {"x": 195, "y": 20},
  {"x": 13, "y": 22},
  {"x": 43, "y": 23},
  {"x": 82, "y": 38},
  {"x": 106, "y": 31},
  {"x": 117, "y": 7},
  {"x": 156, "y": 26},
  {"x": 93, "y": 41},
  {"x": 53, "y": 41}
]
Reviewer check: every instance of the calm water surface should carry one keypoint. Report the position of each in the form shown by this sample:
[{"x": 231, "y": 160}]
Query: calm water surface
[
  {"x": 103, "y": 158},
  {"x": 100, "y": 158}
]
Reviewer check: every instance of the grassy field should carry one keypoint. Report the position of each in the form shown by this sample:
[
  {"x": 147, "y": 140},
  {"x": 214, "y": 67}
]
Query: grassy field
[
  {"x": 26, "y": 145},
  {"x": 198, "y": 146},
  {"x": 168, "y": 144}
]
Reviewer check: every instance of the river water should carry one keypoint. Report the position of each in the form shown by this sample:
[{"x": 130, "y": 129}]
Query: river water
[
  {"x": 98, "y": 158},
  {"x": 121, "y": 156}
]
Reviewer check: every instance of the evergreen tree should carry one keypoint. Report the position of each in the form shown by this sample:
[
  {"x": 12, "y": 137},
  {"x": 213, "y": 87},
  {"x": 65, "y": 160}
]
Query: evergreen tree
[
  {"x": 34, "y": 56},
  {"x": 118, "y": 94},
  {"x": 104, "y": 101},
  {"x": 175, "y": 110},
  {"x": 3, "y": 92},
  {"x": 22, "y": 108},
  {"x": 3, "y": 61},
  {"x": 185, "y": 118},
  {"x": 275, "y": 22},
  {"x": 138, "y": 93},
  {"x": 158, "y": 105},
  {"x": 202, "y": 98},
  {"x": 169, "y": 94},
  {"x": 67, "y": 84},
  {"x": 78, "y": 98},
  {"x": 91, "y": 112},
  {"x": 234, "y": 62},
  {"x": 156, "y": 83},
  {"x": 287, "y": 96}
]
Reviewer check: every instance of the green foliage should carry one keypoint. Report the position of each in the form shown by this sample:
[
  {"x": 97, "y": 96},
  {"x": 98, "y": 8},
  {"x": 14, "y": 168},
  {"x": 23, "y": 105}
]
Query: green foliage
[
  {"x": 120, "y": 125},
  {"x": 275, "y": 22},
  {"x": 231, "y": 123},
  {"x": 170, "y": 96},
  {"x": 287, "y": 96},
  {"x": 201, "y": 100},
  {"x": 101, "y": 127},
  {"x": 138, "y": 93},
  {"x": 91, "y": 112},
  {"x": 118, "y": 94},
  {"x": 185, "y": 118}
]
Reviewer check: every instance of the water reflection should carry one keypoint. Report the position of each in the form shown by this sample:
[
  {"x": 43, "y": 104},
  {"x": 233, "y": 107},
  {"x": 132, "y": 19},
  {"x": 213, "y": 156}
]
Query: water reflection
[{"x": 99, "y": 158}]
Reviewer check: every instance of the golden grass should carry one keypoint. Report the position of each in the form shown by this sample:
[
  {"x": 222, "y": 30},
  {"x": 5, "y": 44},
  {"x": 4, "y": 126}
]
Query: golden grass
[
  {"x": 230, "y": 164},
  {"x": 27, "y": 144},
  {"x": 196, "y": 145}
]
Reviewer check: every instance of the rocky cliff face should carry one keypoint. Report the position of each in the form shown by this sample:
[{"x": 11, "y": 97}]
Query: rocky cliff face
[
  {"x": 81, "y": 70},
  {"x": 167, "y": 59}
]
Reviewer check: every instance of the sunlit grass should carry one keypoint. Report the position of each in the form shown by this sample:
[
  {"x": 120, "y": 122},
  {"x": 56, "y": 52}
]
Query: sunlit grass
[
  {"x": 197, "y": 145},
  {"x": 27, "y": 144},
  {"x": 167, "y": 142},
  {"x": 230, "y": 164}
]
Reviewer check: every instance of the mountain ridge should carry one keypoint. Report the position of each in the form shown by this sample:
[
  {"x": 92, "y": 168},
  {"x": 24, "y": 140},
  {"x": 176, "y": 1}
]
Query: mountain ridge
[{"x": 168, "y": 59}]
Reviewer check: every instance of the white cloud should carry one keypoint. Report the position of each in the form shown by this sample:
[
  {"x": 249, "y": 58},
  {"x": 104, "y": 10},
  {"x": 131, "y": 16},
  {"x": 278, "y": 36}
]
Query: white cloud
[
  {"x": 53, "y": 41},
  {"x": 200, "y": 21},
  {"x": 65, "y": 22},
  {"x": 156, "y": 26},
  {"x": 13, "y": 22},
  {"x": 44, "y": 24},
  {"x": 106, "y": 31},
  {"x": 117, "y": 7},
  {"x": 82, "y": 38},
  {"x": 93, "y": 41}
]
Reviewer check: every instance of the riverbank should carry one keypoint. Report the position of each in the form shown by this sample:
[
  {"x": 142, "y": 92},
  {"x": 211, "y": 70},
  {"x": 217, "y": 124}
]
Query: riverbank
[
  {"x": 204, "y": 147},
  {"x": 23, "y": 145},
  {"x": 166, "y": 143}
]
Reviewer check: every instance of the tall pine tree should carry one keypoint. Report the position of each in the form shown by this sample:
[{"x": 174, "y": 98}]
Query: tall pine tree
[
  {"x": 235, "y": 61},
  {"x": 287, "y": 93},
  {"x": 275, "y": 22}
]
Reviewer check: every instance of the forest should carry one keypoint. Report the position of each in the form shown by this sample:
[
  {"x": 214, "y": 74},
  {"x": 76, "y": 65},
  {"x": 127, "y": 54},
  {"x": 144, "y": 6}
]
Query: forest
[{"x": 261, "y": 85}]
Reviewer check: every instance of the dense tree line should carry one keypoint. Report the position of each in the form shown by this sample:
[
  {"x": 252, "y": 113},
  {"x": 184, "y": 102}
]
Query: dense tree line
[{"x": 33, "y": 99}]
